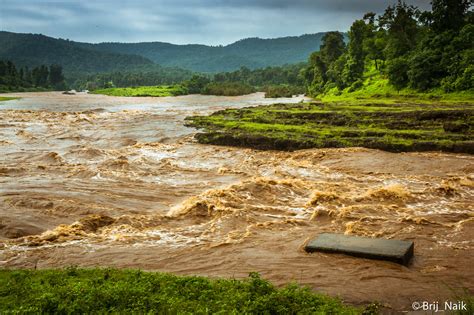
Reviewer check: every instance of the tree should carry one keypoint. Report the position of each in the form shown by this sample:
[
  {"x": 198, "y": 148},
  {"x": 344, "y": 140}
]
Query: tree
[
  {"x": 449, "y": 14},
  {"x": 398, "y": 72},
  {"x": 354, "y": 68},
  {"x": 316, "y": 73},
  {"x": 40, "y": 76},
  {"x": 196, "y": 84},
  {"x": 332, "y": 47},
  {"x": 56, "y": 77},
  {"x": 425, "y": 70},
  {"x": 401, "y": 23},
  {"x": 375, "y": 40}
]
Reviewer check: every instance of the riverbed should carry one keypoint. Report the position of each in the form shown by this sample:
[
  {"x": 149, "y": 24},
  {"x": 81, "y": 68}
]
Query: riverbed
[{"x": 92, "y": 180}]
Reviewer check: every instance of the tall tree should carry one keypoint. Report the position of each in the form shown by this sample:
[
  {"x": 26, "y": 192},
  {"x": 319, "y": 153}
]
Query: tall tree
[
  {"x": 356, "y": 56},
  {"x": 332, "y": 47},
  {"x": 56, "y": 77},
  {"x": 375, "y": 39},
  {"x": 40, "y": 76},
  {"x": 449, "y": 14},
  {"x": 400, "y": 21}
]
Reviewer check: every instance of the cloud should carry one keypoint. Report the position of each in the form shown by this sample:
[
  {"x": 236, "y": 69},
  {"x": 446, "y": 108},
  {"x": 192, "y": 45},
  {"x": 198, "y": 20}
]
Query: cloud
[{"x": 183, "y": 21}]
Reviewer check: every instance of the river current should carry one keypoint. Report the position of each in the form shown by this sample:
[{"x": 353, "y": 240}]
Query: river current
[{"x": 92, "y": 180}]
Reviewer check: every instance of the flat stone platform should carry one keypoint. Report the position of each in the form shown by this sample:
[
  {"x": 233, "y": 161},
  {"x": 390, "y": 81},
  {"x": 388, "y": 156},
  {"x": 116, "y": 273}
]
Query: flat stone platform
[{"x": 374, "y": 248}]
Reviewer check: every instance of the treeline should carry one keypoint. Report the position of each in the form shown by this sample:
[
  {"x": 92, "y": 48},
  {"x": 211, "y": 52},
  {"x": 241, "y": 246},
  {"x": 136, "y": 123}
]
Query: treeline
[
  {"x": 288, "y": 74},
  {"x": 413, "y": 49},
  {"x": 283, "y": 81},
  {"x": 23, "y": 79},
  {"x": 155, "y": 75}
]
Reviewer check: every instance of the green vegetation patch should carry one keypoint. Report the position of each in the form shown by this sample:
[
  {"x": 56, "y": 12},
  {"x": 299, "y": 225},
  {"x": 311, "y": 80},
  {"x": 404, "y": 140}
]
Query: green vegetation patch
[
  {"x": 377, "y": 88},
  {"x": 391, "y": 127},
  {"x": 157, "y": 91},
  {"x": 282, "y": 90},
  {"x": 132, "y": 291},
  {"x": 4, "y": 98},
  {"x": 227, "y": 89}
]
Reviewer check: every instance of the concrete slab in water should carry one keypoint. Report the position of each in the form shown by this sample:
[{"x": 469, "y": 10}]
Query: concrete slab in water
[{"x": 374, "y": 248}]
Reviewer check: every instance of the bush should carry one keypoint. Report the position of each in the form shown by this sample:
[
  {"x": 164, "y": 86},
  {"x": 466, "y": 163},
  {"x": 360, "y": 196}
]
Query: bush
[
  {"x": 356, "y": 85},
  {"x": 275, "y": 91},
  {"x": 397, "y": 70},
  {"x": 227, "y": 89}
]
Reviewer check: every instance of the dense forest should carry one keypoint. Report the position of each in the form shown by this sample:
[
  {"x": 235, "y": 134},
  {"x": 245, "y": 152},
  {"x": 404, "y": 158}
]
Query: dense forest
[
  {"x": 281, "y": 81},
  {"x": 155, "y": 76},
  {"x": 288, "y": 75},
  {"x": 250, "y": 53},
  {"x": 24, "y": 79},
  {"x": 32, "y": 50},
  {"x": 412, "y": 49},
  {"x": 83, "y": 58}
]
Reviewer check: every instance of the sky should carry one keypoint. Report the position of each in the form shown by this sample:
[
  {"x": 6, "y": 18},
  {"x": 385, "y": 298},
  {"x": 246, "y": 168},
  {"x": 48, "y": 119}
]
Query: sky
[{"x": 211, "y": 22}]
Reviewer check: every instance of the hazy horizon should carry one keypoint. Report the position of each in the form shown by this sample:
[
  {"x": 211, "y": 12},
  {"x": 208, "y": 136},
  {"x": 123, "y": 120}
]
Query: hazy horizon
[
  {"x": 158, "y": 41},
  {"x": 209, "y": 22}
]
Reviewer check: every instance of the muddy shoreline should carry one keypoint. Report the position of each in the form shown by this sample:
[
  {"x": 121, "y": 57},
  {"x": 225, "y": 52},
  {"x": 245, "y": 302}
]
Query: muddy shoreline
[{"x": 90, "y": 180}]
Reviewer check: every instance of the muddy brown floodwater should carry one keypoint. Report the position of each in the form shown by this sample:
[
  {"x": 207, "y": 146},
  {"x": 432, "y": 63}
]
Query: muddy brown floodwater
[{"x": 91, "y": 180}]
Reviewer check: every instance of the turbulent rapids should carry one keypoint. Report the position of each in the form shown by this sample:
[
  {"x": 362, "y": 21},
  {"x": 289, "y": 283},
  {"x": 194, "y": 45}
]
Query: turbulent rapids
[{"x": 91, "y": 180}]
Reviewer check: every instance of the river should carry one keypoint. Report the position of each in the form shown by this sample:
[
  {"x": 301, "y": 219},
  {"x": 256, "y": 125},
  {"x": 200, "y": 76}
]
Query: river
[{"x": 92, "y": 180}]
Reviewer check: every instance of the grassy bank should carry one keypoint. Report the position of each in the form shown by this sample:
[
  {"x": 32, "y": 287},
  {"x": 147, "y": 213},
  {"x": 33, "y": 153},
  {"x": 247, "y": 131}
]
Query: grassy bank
[
  {"x": 376, "y": 88},
  {"x": 213, "y": 88},
  {"x": 156, "y": 91},
  {"x": 391, "y": 127},
  {"x": 132, "y": 291},
  {"x": 4, "y": 98}
]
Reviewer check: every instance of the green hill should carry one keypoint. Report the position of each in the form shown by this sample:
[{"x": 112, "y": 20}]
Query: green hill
[
  {"x": 252, "y": 53},
  {"x": 34, "y": 49}
]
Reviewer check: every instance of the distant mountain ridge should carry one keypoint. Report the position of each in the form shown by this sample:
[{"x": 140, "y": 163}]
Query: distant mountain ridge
[
  {"x": 35, "y": 49},
  {"x": 251, "y": 52}
]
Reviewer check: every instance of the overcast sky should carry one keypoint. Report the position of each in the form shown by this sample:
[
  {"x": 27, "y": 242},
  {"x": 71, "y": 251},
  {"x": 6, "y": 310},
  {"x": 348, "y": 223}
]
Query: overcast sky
[{"x": 211, "y": 22}]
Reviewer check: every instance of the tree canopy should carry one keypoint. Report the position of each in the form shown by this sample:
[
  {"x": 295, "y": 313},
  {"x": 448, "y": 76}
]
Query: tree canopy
[{"x": 414, "y": 49}]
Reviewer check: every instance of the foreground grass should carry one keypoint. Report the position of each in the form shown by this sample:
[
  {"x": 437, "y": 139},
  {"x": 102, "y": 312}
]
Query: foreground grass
[
  {"x": 156, "y": 91},
  {"x": 132, "y": 291},
  {"x": 401, "y": 127}
]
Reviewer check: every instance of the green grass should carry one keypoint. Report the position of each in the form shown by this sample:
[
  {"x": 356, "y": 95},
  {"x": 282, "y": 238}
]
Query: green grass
[
  {"x": 156, "y": 91},
  {"x": 375, "y": 115},
  {"x": 65, "y": 291},
  {"x": 391, "y": 127},
  {"x": 376, "y": 88},
  {"x": 4, "y": 98}
]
